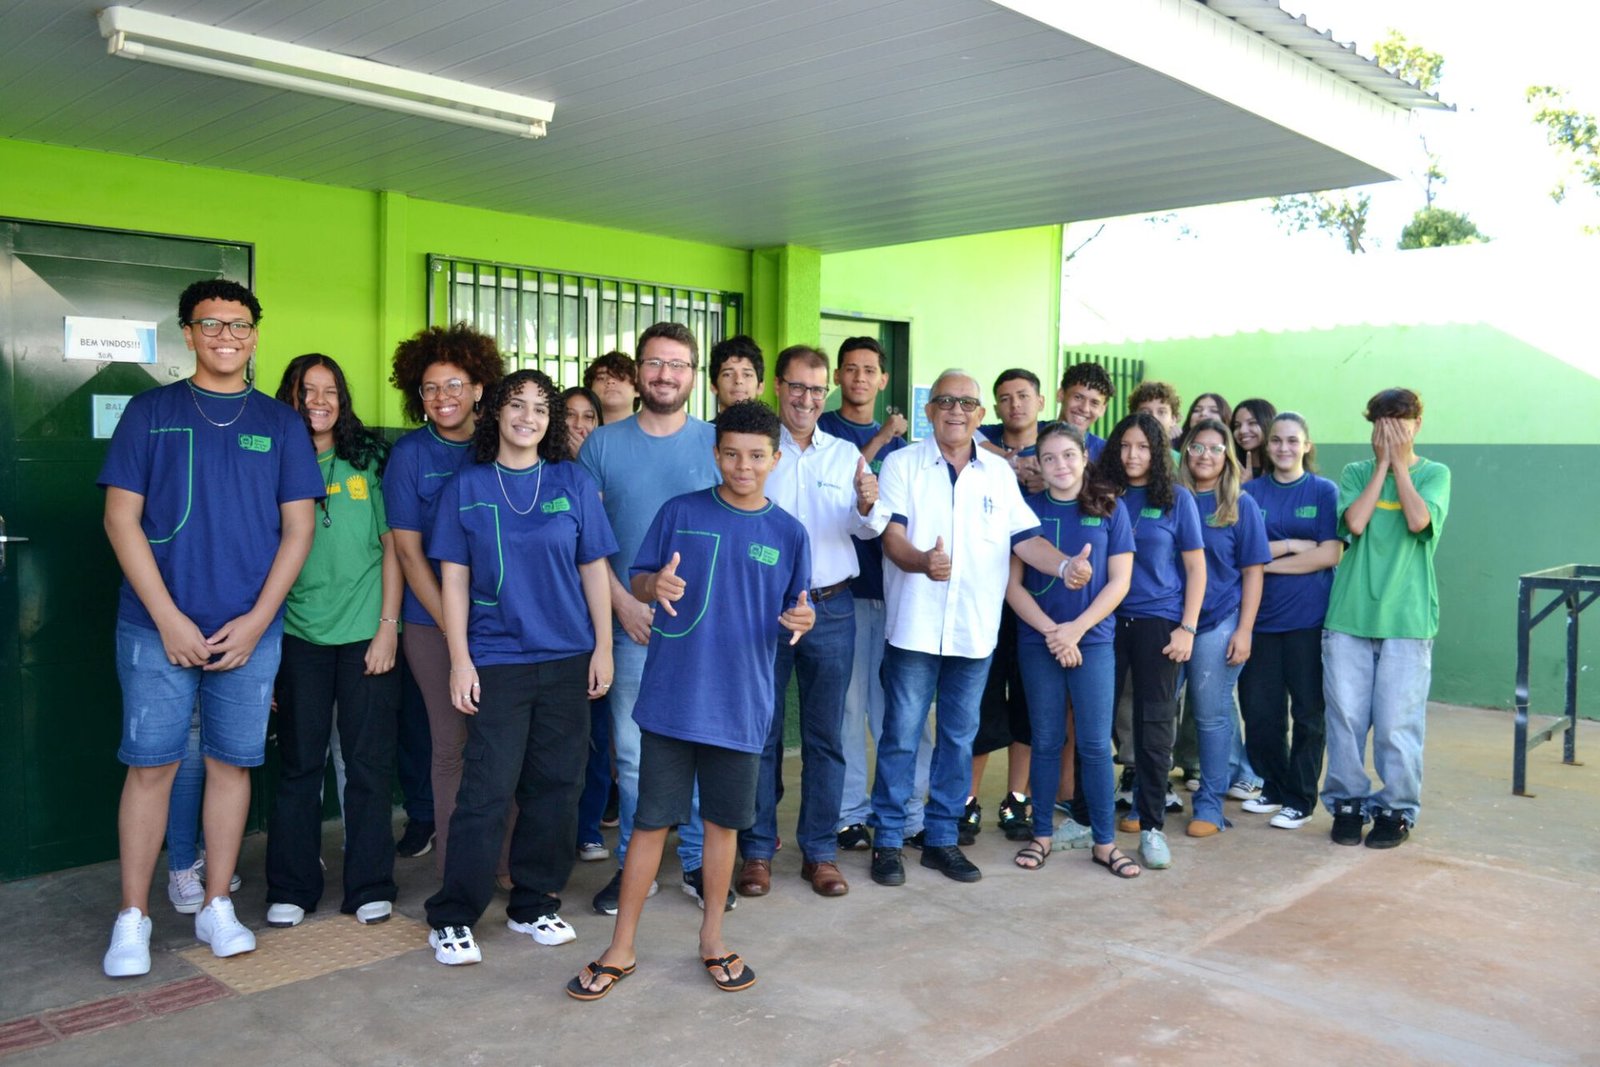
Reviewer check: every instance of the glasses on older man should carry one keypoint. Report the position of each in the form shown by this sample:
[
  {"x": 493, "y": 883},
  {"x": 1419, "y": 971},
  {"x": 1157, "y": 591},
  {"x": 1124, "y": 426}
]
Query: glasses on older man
[{"x": 944, "y": 402}]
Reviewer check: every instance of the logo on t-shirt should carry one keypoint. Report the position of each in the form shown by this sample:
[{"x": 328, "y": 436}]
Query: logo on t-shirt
[
  {"x": 1307, "y": 512},
  {"x": 254, "y": 442},
  {"x": 1149, "y": 513},
  {"x": 357, "y": 484},
  {"x": 1089, "y": 520},
  {"x": 559, "y": 504},
  {"x": 764, "y": 554}
]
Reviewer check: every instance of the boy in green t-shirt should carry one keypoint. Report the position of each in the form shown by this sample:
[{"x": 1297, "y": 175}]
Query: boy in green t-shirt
[{"x": 1383, "y": 612}]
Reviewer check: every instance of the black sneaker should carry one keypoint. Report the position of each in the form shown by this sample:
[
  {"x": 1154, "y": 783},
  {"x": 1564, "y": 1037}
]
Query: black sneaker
[
  {"x": 609, "y": 818},
  {"x": 694, "y": 886},
  {"x": 951, "y": 862},
  {"x": 916, "y": 839},
  {"x": 855, "y": 838},
  {"x": 1389, "y": 829},
  {"x": 1347, "y": 823},
  {"x": 1016, "y": 817},
  {"x": 887, "y": 867},
  {"x": 971, "y": 823},
  {"x": 1125, "y": 790},
  {"x": 416, "y": 841},
  {"x": 605, "y": 901}
]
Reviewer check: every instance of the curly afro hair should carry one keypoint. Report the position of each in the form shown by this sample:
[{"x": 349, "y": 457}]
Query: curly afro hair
[
  {"x": 486, "y": 438},
  {"x": 474, "y": 352}
]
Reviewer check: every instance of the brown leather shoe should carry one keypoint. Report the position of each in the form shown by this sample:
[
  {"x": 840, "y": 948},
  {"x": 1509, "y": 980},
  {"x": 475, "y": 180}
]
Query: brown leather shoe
[
  {"x": 755, "y": 878},
  {"x": 826, "y": 879}
]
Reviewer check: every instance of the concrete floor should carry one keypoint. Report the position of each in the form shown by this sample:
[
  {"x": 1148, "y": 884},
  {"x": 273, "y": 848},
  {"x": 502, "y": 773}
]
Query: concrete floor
[{"x": 1477, "y": 942}]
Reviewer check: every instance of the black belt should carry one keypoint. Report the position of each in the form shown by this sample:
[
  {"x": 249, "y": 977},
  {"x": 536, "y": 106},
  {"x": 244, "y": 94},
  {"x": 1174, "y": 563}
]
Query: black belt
[{"x": 829, "y": 591}]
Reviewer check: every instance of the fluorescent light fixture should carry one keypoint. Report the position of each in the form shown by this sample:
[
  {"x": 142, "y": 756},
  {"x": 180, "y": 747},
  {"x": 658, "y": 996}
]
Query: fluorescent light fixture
[{"x": 173, "y": 42}]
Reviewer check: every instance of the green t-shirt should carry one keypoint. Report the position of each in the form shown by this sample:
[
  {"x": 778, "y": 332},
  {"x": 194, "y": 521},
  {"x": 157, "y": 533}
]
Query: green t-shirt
[
  {"x": 339, "y": 594},
  {"x": 1386, "y": 585}
]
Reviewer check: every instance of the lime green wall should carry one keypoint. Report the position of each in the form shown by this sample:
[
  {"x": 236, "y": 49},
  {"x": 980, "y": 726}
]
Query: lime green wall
[{"x": 985, "y": 302}]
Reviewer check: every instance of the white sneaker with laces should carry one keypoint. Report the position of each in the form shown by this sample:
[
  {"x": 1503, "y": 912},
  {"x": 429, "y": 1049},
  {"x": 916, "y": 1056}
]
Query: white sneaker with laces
[
  {"x": 129, "y": 954},
  {"x": 1260, "y": 806},
  {"x": 549, "y": 929},
  {"x": 186, "y": 888},
  {"x": 374, "y": 911},
  {"x": 285, "y": 915},
  {"x": 1290, "y": 819},
  {"x": 590, "y": 851},
  {"x": 218, "y": 927},
  {"x": 454, "y": 946}
]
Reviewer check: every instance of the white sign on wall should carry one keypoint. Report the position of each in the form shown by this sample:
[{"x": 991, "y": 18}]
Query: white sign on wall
[
  {"x": 106, "y": 412},
  {"x": 110, "y": 340}
]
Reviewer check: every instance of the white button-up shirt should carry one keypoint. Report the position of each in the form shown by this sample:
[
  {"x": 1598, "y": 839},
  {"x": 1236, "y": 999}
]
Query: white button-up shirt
[
  {"x": 980, "y": 517},
  {"x": 817, "y": 485}
]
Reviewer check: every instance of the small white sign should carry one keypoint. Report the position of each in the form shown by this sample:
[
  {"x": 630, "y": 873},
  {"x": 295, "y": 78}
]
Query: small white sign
[
  {"x": 105, "y": 413},
  {"x": 110, "y": 340},
  {"x": 920, "y": 426}
]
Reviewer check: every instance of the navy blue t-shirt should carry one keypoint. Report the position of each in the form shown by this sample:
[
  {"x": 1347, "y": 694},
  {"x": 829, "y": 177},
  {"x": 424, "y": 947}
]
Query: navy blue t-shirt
[
  {"x": 1069, "y": 530},
  {"x": 1158, "y": 538},
  {"x": 708, "y": 673},
  {"x": 420, "y": 466},
  {"x": 527, "y": 600},
  {"x": 1096, "y": 445},
  {"x": 868, "y": 584},
  {"x": 1229, "y": 549},
  {"x": 1306, "y": 509},
  {"x": 211, "y": 493}
]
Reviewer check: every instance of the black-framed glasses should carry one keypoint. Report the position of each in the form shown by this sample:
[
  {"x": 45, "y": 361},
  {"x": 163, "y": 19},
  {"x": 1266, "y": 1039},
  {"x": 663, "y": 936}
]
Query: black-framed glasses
[
  {"x": 238, "y": 330},
  {"x": 798, "y": 390},
  {"x": 944, "y": 402},
  {"x": 452, "y": 388},
  {"x": 676, "y": 366}
]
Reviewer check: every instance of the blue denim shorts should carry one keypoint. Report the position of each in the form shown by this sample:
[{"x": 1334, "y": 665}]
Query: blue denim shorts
[{"x": 158, "y": 701}]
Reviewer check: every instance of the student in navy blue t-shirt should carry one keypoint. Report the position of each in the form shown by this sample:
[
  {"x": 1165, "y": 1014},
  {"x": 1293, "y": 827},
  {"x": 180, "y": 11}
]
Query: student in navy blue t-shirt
[
  {"x": 1085, "y": 391},
  {"x": 1236, "y": 552},
  {"x": 729, "y": 571},
  {"x": 1282, "y": 683},
  {"x": 1158, "y": 620},
  {"x": 522, "y": 542},
  {"x": 210, "y": 493}
]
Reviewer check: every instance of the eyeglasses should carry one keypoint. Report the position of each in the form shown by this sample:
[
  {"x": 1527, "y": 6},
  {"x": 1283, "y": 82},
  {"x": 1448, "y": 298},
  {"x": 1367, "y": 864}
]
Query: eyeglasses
[
  {"x": 797, "y": 390},
  {"x": 452, "y": 389},
  {"x": 239, "y": 331},
  {"x": 1196, "y": 449},
  {"x": 676, "y": 366},
  {"x": 944, "y": 402}
]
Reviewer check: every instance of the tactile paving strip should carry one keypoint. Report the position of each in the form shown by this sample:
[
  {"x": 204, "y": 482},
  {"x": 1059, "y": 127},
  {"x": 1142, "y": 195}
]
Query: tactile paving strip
[{"x": 316, "y": 947}]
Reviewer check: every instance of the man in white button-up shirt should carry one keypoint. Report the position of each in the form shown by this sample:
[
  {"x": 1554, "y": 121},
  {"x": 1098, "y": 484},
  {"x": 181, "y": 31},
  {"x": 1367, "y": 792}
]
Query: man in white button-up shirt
[
  {"x": 956, "y": 516},
  {"x": 822, "y": 481}
]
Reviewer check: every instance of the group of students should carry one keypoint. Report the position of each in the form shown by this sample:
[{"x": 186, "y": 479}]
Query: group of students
[{"x": 590, "y": 582}]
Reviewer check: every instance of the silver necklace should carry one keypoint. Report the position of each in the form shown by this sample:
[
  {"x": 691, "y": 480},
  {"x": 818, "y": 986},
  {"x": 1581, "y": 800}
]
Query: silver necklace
[
  {"x": 536, "y": 487},
  {"x": 194, "y": 394}
]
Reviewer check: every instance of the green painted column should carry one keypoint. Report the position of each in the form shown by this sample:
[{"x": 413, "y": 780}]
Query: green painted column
[
  {"x": 395, "y": 316},
  {"x": 785, "y": 299}
]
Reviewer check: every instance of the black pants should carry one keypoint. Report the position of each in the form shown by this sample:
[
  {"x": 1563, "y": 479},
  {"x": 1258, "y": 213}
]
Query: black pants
[
  {"x": 1154, "y": 679},
  {"x": 311, "y": 680},
  {"x": 1282, "y": 681},
  {"x": 530, "y": 738},
  {"x": 1003, "y": 713}
]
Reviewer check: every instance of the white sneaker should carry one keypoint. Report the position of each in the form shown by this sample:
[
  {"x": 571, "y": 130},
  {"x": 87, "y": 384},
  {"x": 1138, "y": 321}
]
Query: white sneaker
[
  {"x": 454, "y": 946},
  {"x": 233, "y": 883},
  {"x": 549, "y": 929},
  {"x": 1260, "y": 806},
  {"x": 285, "y": 915},
  {"x": 374, "y": 911},
  {"x": 186, "y": 888},
  {"x": 1072, "y": 834},
  {"x": 590, "y": 851},
  {"x": 1290, "y": 819},
  {"x": 129, "y": 954},
  {"x": 1243, "y": 791},
  {"x": 218, "y": 927}
]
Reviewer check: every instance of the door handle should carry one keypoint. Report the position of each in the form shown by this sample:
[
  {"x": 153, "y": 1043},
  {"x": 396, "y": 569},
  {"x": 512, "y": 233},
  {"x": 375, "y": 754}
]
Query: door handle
[
  {"x": 7, "y": 540},
  {"x": 4, "y": 540}
]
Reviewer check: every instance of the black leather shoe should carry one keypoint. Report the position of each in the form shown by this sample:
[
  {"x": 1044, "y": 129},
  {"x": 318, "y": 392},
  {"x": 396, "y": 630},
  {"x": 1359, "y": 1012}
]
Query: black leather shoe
[
  {"x": 887, "y": 868},
  {"x": 951, "y": 862}
]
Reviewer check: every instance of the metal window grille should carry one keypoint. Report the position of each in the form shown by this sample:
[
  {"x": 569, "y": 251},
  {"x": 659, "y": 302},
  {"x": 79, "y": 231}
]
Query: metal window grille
[
  {"x": 560, "y": 322},
  {"x": 1125, "y": 374}
]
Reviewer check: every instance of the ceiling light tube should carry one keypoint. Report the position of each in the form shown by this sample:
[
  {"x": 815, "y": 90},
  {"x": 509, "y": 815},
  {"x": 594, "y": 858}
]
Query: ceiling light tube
[{"x": 208, "y": 50}]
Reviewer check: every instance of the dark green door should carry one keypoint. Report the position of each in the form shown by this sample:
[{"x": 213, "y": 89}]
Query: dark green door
[
  {"x": 894, "y": 336},
  {"x": 60, "y": 717}
]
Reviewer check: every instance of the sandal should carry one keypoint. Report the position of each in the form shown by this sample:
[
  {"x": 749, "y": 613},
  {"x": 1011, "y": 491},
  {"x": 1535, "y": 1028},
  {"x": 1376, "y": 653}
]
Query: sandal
[
  {"x": 1031, "y": 857},
  {"x": 578, "y": 989},
  {"x": 728, "y": 983},
  {"x": 1118, "y": 863}
]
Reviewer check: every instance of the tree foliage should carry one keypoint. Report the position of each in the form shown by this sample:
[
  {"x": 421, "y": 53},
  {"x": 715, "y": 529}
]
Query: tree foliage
[
  {"x": 1412, "y": 62},
  {"x": 1342, "y": 215},
  {"x": 1434, "y": 227},
  {"x": 1575, "y": 135}
]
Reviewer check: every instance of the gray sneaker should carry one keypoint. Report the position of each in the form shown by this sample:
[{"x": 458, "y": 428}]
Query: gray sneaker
[
  {"x": 1072, "y": 834},
  {"x": 1153, "y": 849}
]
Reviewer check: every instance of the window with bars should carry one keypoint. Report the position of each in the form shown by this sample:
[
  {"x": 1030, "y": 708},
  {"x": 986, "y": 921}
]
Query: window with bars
[
  {"x": 560, "y": 322},
  {"x": 1125, "y": 373}
]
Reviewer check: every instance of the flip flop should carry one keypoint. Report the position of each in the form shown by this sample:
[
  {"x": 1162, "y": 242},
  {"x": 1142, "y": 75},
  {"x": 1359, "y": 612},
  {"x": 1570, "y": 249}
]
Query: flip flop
[
  {"x": 1033, "y": 854},
  {"x": 1119, "y": 864},
  {"x": 728, "y": 983},
  {"x": 578, "y": 991}
]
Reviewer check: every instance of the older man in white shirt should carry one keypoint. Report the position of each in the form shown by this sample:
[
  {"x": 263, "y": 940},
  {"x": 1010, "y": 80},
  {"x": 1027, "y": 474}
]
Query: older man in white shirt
[
  {"x": 824, "y": 482},
  {"x": 956, "y": 517}
]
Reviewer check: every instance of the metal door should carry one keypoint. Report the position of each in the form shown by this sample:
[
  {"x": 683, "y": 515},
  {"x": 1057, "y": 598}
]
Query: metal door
[{"x": 60, "y": 717}]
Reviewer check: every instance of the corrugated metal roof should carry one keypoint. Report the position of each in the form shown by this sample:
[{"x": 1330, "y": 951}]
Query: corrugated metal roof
[{"x": 1292, "y": 32}]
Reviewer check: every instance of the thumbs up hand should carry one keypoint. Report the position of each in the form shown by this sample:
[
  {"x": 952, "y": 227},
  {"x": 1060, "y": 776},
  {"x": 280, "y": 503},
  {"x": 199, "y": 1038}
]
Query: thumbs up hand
[
  {"x": 866, "y": 486},
  {"x": 1079, "y": 570},
  {"x": 936, "y": 562},
  {"x": 668, "y": 586},
  {"x": 800, "y": 618}
]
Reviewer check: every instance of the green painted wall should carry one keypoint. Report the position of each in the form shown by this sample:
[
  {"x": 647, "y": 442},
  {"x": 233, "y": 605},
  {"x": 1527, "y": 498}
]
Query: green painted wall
[
  {"x": 985, "y": 302},
  {"x": 1517, "y": 428}
]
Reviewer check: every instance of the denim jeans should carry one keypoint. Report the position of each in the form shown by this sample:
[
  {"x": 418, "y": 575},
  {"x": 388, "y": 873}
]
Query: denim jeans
[
  {"x": 911, "y": 682},
  {"x": 1153, "y": 680},
  {"x": 863, "y": 711},
  {"x": 1092, "y": 687},
  {"x": 597, "y": 773},
  {"x": 1282, "y": 684},
  {"x": 821, "y": 660},
  {"x": 1377, "y": 686},
  {"x": 184, "y": 840},
  {"x": 1210, "y": 702},
  {"x": 628, "y": 658}
]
